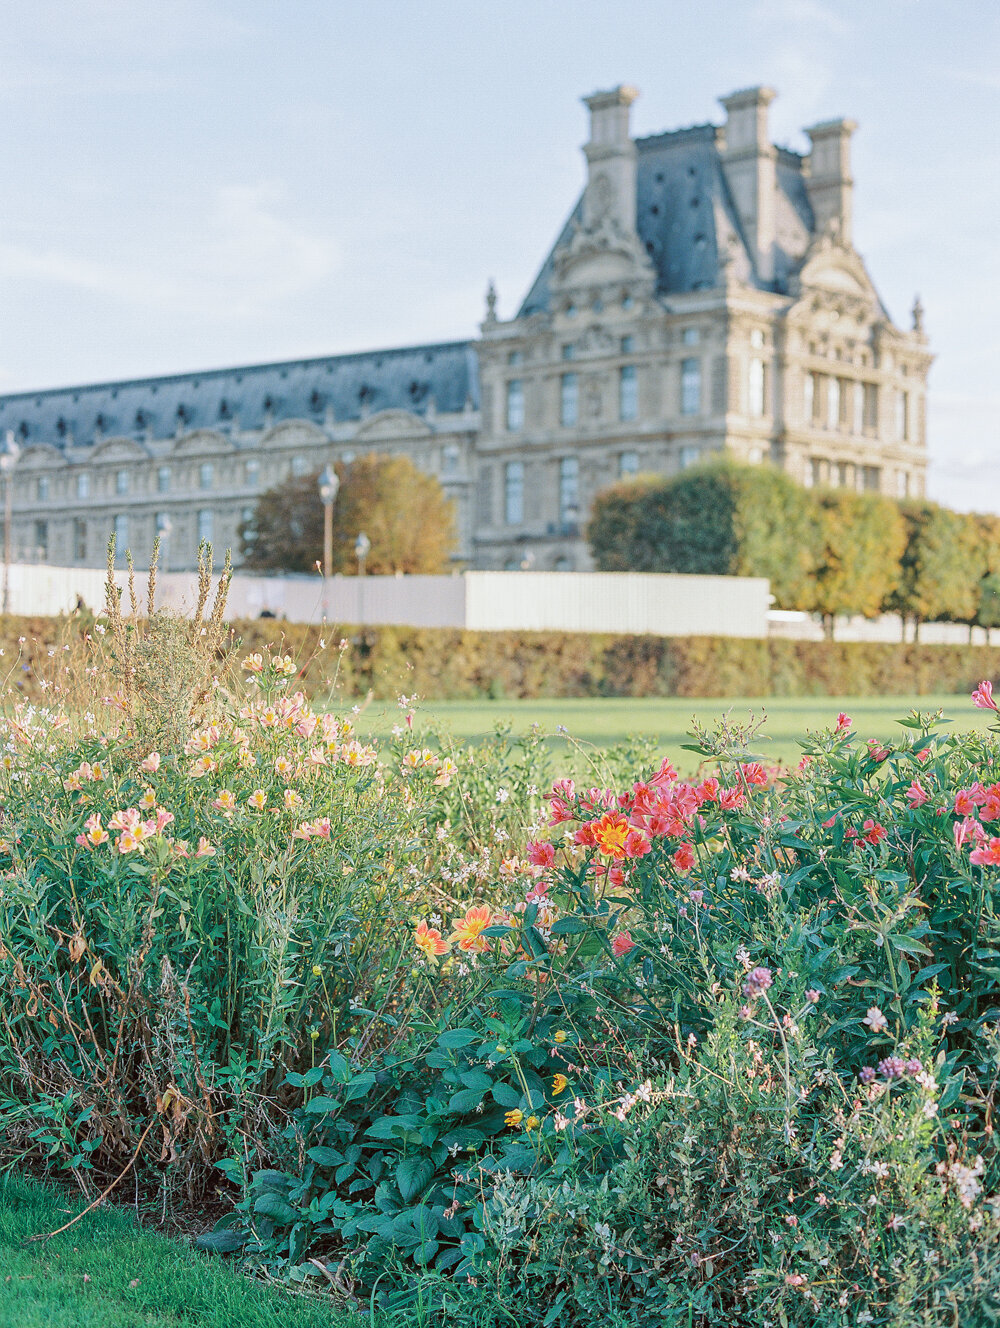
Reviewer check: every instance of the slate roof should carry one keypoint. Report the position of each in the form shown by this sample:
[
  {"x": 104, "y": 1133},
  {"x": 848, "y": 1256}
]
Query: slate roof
[
  {"x": 352, "y": 385},
  {"x": 685, "y": 216}
]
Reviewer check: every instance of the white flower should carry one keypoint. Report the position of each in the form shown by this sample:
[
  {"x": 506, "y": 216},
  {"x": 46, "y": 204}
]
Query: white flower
[
  {"x": 875, "y": 1020},
  {"x": 502, "y": 795}
]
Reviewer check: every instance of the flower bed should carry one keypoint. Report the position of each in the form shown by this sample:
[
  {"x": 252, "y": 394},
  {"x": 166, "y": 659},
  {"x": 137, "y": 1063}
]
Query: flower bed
[{"x": 704, "y": 1051}]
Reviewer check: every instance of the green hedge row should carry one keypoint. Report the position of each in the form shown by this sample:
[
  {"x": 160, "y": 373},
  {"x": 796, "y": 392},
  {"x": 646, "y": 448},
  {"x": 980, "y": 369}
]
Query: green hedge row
[{"x": 439, "y": 663}]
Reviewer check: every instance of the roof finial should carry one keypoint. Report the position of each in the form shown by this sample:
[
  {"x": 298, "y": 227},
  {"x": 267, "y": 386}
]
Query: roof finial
[
  {"x": 491, "y": 302},
  {"x": 918, "y": 316}
]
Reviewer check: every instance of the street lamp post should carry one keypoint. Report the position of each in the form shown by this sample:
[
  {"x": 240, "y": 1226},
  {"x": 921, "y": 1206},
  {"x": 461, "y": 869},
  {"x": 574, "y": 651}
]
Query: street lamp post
[
  {"x": 362, "y": 548},
  {"x": 8, "y": 460},
  {"x": 329, "y": 484}
]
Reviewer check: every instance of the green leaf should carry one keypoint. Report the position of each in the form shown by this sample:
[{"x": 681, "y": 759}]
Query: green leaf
[
  {"x": 466, "y": 1099},
  {"x": 569, "y": 926},
  {"x": 413, "y": 1176},
  {"x": 338, "y": 1066},
  {"x": 325, "y": 1157},
  {"x": 909, "y": 946},
  {"x": 279, "y": 1209},
  {"x": 318, "y": 1105},
  {"x": 221, "y": 1242},
  {"x": 507, "y": 1096},
  {"x": 454, "y": 1038}
]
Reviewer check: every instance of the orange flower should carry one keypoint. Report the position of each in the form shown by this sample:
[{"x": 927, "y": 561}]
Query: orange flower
[
  {"x": 610, "y": 834},
  {"x": 430, "y": 941},
  {"x": 467, "y": 930},
  {"x": 559, "y": 1084}
]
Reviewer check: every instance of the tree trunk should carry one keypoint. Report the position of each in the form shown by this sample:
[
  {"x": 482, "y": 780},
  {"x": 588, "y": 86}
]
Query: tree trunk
[{"x": 828, "y": 625}]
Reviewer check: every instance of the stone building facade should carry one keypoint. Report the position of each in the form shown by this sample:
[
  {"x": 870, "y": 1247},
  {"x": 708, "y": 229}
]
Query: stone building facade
[{"x": 705, "y": 295}]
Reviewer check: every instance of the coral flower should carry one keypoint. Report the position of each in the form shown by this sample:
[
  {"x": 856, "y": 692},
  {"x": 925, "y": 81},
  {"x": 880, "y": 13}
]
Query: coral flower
[
  {"x": 541, "y": 854},
  {"x": 987, "y": 854},
  {"x": 622, "y": 944},
  {"x": 610, "y": 834},
  {"x": 916, "y": 795},
  {"x": 754, "y": 773},
  {"x": 683, "y": 859},
  {"x": 430, "y": 941},
  {"x": 982, "y": 697},
  {"x": 151, "y": 764},
  {"x": 205, "y": 849},
  {"x": 873, "y": 832},
  {"x": 467, "y": 930}
]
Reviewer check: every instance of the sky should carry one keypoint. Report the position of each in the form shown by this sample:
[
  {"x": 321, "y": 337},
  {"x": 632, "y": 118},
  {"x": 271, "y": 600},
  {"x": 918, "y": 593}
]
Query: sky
[{"x": 193, "y": 184}]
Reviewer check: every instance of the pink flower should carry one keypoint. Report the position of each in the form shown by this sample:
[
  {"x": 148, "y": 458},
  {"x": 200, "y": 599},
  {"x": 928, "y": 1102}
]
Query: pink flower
[
  {"x": 636, "y": 845},
  {"x": 874, "y": 832},
  {"x": 541, "y": 854},
  {"x": 664, "y": 776},
  {"x": 876, "y": 751},
  {"x": 987, "y": 854},
  {"x": 982, "y": 697},
  {"x": 163, "y": 819},
  {"x": 843, "y": 722},
  {"x": 754, "y": 773},
  {"x": 966, "y": 830},
  {"x": 731, "y": 798},
  {"x": 683, "y": 859},
  {"x": 622, "y": 944},
  {"x": 205, "y": 849},
  {"x": 916, "y": 794},
  {"x": 758, "y": 981},
  {"x": 151, "y": 764},
  {"x": 968, "y": 799}
]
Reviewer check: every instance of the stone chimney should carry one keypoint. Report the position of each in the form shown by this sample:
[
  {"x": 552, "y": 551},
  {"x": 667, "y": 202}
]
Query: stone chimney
[
  {"x": 829, "y": 183},
  {"x": 611, "y": 156},
  {"x": 748, "y": 161}
]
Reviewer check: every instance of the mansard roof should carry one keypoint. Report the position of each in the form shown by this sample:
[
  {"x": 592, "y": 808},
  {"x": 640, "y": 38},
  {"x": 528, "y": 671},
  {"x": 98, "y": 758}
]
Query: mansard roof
[
  {"x": 349, "y": 386},
  {"x": 686, "y": 218}
]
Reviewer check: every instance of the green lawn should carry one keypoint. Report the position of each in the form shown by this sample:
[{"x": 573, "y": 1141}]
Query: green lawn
[
  {"x": 668, "y": 719},
  {"x": 106, "y": 1273}
]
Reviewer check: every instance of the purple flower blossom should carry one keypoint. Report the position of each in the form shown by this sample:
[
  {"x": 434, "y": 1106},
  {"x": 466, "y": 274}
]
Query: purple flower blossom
[
  {"x": 913, "y": 1066},
  {"x": 867, "y": 1074},
  {"x": 697, "y": 896},
  {"x": 758, "y": 981},
  {"x": 893, "y": 1067}
]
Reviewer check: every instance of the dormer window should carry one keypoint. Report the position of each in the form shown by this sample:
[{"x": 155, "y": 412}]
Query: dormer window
[
  {"x": 61, "y": 427},
  {"x": 224, "y": 412},
  {"x": 315, "y": 402}
]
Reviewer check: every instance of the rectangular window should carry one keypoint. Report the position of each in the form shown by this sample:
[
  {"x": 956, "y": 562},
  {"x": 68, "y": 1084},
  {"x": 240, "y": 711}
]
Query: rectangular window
[
  {"x": 871, "y": 479},
  {"x": 83, "y": 486},
  {"x": 569, "y": 352},
  {"x": 206, "y": 475},
  {"x": 628, "y": 345},
  {"x": 121, "y": 535},
  {"x": 515, "y": 405},
  {"x": 569, "y": 400},
  {"x": 450, "y": 457},
  {"x": 205, "y": 524},
  {"x": 300, "y": 466},
  {"x": 628, "y": 392},
  {"x": 756, "y": 386},
  {"x": 690, "y": 455},
  {"x": 628, "y": 465},
  {"x": 871, "y": 408},
  {"x": 42, "y": 541},
  {"x": 121, "y": 481},
  {"x": 513, "y": 493},
  {"x": 43, "y": 488},
  {"x": 79, "y": 540},
  {"x": 690, "y": 336},
  {"x": 163, "y": 479},
  {"x": 251, "y": 471},
  {"x": 902, "y": 416},
  {"x": 858, "y": 409},
  {"x": 569, "y": 491},
  {"x": 902, "y": 484},
  {"x": 811, "y": 478},
  {"x": 808, "y": 397},
  {"x": 515, "y": 357},
  {"x": 690, "y": 387},
  {"x": 833, "y": 403}
]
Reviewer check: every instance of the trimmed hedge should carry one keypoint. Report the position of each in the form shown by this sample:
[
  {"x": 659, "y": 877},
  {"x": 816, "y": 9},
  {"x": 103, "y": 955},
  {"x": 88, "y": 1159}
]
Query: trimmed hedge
[{"x": 438, "y": 663}]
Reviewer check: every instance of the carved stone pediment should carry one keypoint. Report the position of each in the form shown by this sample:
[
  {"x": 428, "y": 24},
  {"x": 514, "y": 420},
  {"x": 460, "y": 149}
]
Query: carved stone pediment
[
  {"x": 393, "y": 424},
  {"x": 833, "y": 268},
  {"x": 293, "y": 433},
  {"x": 120, "y": 449},
  {"x": 40, "y": 456},
  {"x": 200, "y": 441},
  {"x": 601, "y": 252}
]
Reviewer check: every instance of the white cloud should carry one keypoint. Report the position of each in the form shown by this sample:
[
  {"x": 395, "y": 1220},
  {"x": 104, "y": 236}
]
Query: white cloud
[
  {"x": 241, "y": 260},
  {"x": 810, "y": 13}
]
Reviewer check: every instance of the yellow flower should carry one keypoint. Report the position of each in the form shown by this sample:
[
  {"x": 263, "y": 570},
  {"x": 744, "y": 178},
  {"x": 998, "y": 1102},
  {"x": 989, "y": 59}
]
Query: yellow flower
[
  {"x": 467, "y": 930},
  {"x": 225, "y": 802},
  {"x": 512, "y": 1119},
  {"x": 560, "y": 1035},
  {"x": 532, "y": 1123},
  {"x": 317, "y": 971},
  {"x": 97, "y": 771},
  {"x": 282, "y": 765},
  {"x": 148, "y": 798},
  {"x": 559, "y": 1084},
  {"x": 258, "y": 799},
  {"x": 293, "y": 800}
]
